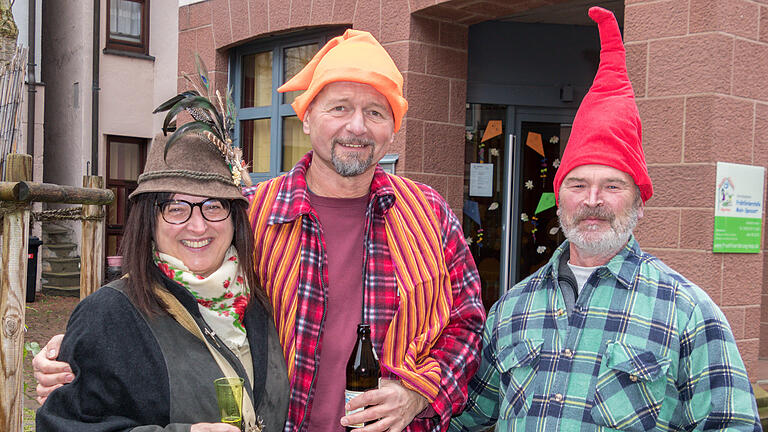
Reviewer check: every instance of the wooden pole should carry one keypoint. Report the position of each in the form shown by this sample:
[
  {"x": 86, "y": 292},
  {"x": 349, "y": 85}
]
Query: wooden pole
[
  {"x": 13, "y": 298},
  {"x": 47, "y": 192},
  {"x": 92, "y": 245}
]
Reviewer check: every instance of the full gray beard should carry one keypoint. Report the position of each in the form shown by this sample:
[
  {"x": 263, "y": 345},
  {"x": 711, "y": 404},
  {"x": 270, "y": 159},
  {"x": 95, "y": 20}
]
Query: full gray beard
[{"x": 610, "y": 242}]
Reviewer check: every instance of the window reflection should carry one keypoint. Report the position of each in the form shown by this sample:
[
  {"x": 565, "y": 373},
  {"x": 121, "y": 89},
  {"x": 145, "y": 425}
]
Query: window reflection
[
  {"x": 295, "y": 142},
  {"x": 255, "y": 139},
  {"x": 257, "y": 80}
]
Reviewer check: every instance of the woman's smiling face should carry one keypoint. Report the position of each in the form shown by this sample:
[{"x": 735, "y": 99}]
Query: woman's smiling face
[{"x": 198, "y": 243}]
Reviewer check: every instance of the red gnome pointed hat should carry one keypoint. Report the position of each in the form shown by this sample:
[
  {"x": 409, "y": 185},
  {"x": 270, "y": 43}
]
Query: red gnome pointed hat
[{"x": 607, "y": 129}]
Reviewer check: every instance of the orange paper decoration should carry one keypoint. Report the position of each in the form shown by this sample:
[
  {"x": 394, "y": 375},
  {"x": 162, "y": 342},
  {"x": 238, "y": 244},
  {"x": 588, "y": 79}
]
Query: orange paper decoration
[
  {"x": 493, "y": 129},
  {"x": 534, "y": 141}
]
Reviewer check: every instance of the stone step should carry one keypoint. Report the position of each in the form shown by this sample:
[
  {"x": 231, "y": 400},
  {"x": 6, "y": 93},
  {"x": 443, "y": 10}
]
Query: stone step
[
  {"x": 70, "y": 264},
  {"x": 63, "y": 291},
  {"x": 59, "y": 250},
  {"x": 56, "y": 234},
  {"x": 62, "y": 278},
  {"x": 54, "y": 229},
  {"x": 761, "y": 397}
]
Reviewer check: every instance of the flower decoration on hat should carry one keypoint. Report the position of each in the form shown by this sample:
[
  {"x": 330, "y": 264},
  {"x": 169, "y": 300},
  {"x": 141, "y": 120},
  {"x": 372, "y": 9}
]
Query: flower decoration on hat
[{"x": 213, "y": 121}]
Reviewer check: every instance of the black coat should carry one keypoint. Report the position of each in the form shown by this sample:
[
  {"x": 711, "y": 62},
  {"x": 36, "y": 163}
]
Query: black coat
[{"x": 140, "y": 373}]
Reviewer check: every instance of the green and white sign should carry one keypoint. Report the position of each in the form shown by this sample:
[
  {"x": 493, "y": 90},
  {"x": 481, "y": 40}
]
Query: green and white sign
[{"x": 738, "y": 208}]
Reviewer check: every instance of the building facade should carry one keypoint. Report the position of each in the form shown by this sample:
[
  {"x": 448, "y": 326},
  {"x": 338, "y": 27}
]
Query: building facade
[
  {"x": 493, "y": 87},
  {"x": 104, "y": 66}
]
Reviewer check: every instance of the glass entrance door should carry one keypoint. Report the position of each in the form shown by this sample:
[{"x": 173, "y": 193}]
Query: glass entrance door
[
  {"x": 538, "y": 234},
  {"x": 486, "y": 192},
  {"x": 510, "y": 218}
]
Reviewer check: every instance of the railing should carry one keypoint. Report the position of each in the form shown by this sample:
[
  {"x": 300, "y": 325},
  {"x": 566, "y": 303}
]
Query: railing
[{"x": 16, "y": 195}]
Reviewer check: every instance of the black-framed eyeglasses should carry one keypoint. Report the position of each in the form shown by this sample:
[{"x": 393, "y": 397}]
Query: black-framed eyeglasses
[{"x": 177, "y": 212}]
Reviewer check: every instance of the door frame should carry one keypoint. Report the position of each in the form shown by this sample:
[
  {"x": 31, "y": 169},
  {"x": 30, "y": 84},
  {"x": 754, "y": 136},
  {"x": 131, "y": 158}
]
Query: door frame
[{"x": 516, "y": 115}]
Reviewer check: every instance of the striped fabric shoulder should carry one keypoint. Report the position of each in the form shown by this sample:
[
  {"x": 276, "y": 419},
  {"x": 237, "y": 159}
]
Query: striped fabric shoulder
[{"x": 415, "y": 241}]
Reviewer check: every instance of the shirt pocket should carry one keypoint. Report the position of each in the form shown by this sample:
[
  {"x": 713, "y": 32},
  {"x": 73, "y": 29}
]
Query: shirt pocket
[
  {"x": 518, "y": 365},
  {"x": 630, "y": 388}
]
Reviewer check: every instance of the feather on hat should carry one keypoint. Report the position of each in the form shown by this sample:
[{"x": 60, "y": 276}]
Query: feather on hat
[{"x": 213, "y": 121}]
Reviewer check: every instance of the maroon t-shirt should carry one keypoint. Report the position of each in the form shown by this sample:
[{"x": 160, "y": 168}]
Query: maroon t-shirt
[{"x": 343, "y": 225}]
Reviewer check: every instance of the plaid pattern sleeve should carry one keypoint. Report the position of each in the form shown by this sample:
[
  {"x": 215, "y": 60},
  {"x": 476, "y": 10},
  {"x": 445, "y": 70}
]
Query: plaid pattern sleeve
[
  {"x": 715, "y": 392},
  {"x": 482, "y": 408},
  {"x": 644, "y": 349}
]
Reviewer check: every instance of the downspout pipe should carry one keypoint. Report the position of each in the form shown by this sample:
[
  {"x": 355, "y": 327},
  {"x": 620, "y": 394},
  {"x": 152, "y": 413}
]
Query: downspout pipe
[
  {"x": 95, "y": 88},
  {"x": 31, "y": 82}
]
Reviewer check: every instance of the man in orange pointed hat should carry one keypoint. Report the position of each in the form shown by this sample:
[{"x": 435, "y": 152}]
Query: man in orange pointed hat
[
  {"x": 605, "y": 336},
  {"x": 338, "y": 242}
]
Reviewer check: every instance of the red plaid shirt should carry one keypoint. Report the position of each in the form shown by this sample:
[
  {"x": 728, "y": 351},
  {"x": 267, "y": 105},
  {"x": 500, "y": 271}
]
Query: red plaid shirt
[{"x": 457, "y": 349}]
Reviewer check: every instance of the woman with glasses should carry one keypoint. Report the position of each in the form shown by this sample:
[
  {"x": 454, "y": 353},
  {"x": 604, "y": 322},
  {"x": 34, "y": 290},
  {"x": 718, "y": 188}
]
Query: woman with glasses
[{"x": 146, "y": 349}]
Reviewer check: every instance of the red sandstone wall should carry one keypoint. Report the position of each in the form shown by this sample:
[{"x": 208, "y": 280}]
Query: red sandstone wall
[{"x": 699, "y": 70}]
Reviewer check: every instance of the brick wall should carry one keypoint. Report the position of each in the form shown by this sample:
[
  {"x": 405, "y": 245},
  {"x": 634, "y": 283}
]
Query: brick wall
[{"x": 699, "y": 70}]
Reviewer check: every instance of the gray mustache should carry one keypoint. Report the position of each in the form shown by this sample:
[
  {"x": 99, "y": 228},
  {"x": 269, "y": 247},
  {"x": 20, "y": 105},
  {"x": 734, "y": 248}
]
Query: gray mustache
[{"x": 596, "y": 212}]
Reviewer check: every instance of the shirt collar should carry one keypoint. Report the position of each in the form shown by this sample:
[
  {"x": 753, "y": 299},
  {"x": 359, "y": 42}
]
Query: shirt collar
[
  {"x": 624, "y": 266},
  {"x": 293, "y": 196}
]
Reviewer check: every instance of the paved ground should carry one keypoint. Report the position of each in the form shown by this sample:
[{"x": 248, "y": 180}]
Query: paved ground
[{"x": 45, "y": 317}]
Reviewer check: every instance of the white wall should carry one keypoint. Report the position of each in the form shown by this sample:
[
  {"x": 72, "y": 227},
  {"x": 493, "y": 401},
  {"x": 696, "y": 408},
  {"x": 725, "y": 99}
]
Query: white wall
[
  {"x": 20, "y": 12},
  {"x": 66, "y": 72},
  {"x": 132, "y": 87}
]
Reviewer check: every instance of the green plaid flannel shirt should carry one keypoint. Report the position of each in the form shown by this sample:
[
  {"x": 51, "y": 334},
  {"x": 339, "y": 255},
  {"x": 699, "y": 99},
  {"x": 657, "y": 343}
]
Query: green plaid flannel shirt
[{"x": 643, "y": 349}]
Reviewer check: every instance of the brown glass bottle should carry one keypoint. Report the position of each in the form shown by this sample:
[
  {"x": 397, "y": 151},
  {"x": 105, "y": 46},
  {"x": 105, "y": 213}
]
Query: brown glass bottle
[{"x": 362, "y": 368}]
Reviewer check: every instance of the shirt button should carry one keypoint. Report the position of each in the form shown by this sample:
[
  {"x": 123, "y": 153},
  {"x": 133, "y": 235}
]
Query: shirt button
[
  {"x": 567, "y": 353},
  {"x": 560, "y": 312},
  {"x": 633, "y": 378},
  {"x": 558, "y": 397}
]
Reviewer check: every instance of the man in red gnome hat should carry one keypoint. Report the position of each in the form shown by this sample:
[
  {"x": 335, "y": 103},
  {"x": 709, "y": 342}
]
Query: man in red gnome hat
[{"x": 605, "y": 336}]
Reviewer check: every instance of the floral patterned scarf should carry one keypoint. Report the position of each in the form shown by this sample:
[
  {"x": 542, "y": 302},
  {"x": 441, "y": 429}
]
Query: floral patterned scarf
[{"x": 221, "y": 297}]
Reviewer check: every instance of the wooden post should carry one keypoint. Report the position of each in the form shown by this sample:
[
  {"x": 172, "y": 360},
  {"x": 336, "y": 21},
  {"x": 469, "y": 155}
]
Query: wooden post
[
  {"x": 92, "y": 245},
  {"x": 13, "y": 293}
]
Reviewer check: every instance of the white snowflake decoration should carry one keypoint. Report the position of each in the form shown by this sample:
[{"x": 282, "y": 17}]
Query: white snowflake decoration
[
  {"x": 493, "y": 206},
  {"x": 541, "y": 249},
  {"x": 470, "y": 135},
  {"x": 529, "y": 184},
  {"x": 554, "y": 231},
  {"x": 495, "y": 152},
  {"x": 556, "y": 163},
  {"x": 554, "y": 140},
  {"x": 468, "y": 240},
  {"x": 524, "y": 217}
]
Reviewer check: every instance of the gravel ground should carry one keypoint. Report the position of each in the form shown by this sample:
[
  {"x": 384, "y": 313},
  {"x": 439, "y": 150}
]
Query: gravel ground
[{"x": 45, "y": 317}]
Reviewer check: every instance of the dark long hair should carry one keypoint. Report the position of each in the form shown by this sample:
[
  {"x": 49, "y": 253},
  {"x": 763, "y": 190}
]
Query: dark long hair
[{"x": 136, "y": 248}]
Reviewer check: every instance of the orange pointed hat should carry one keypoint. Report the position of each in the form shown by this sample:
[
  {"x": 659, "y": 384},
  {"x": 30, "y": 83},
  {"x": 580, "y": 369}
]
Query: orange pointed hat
[
  {"x": 607, "y": 128},
  {"x": 355, "y": 56}
]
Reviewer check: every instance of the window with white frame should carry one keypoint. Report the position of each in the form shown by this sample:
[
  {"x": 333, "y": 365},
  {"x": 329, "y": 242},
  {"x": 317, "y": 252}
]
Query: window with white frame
[{"x": 268, "y": 129}]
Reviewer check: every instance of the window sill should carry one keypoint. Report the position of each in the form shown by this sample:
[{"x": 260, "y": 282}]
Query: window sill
[{"x": 128, "y": 54}]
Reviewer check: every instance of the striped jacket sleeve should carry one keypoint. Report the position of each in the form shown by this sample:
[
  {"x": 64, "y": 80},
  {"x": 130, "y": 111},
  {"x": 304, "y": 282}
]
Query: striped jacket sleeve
[{"x": 458, "y": 347}]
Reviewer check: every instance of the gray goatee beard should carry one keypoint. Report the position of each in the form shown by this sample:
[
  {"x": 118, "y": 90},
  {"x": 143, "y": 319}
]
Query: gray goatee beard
[
  {"x": 353, "y": 164},
  {"x": 608, "y": 242}
]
